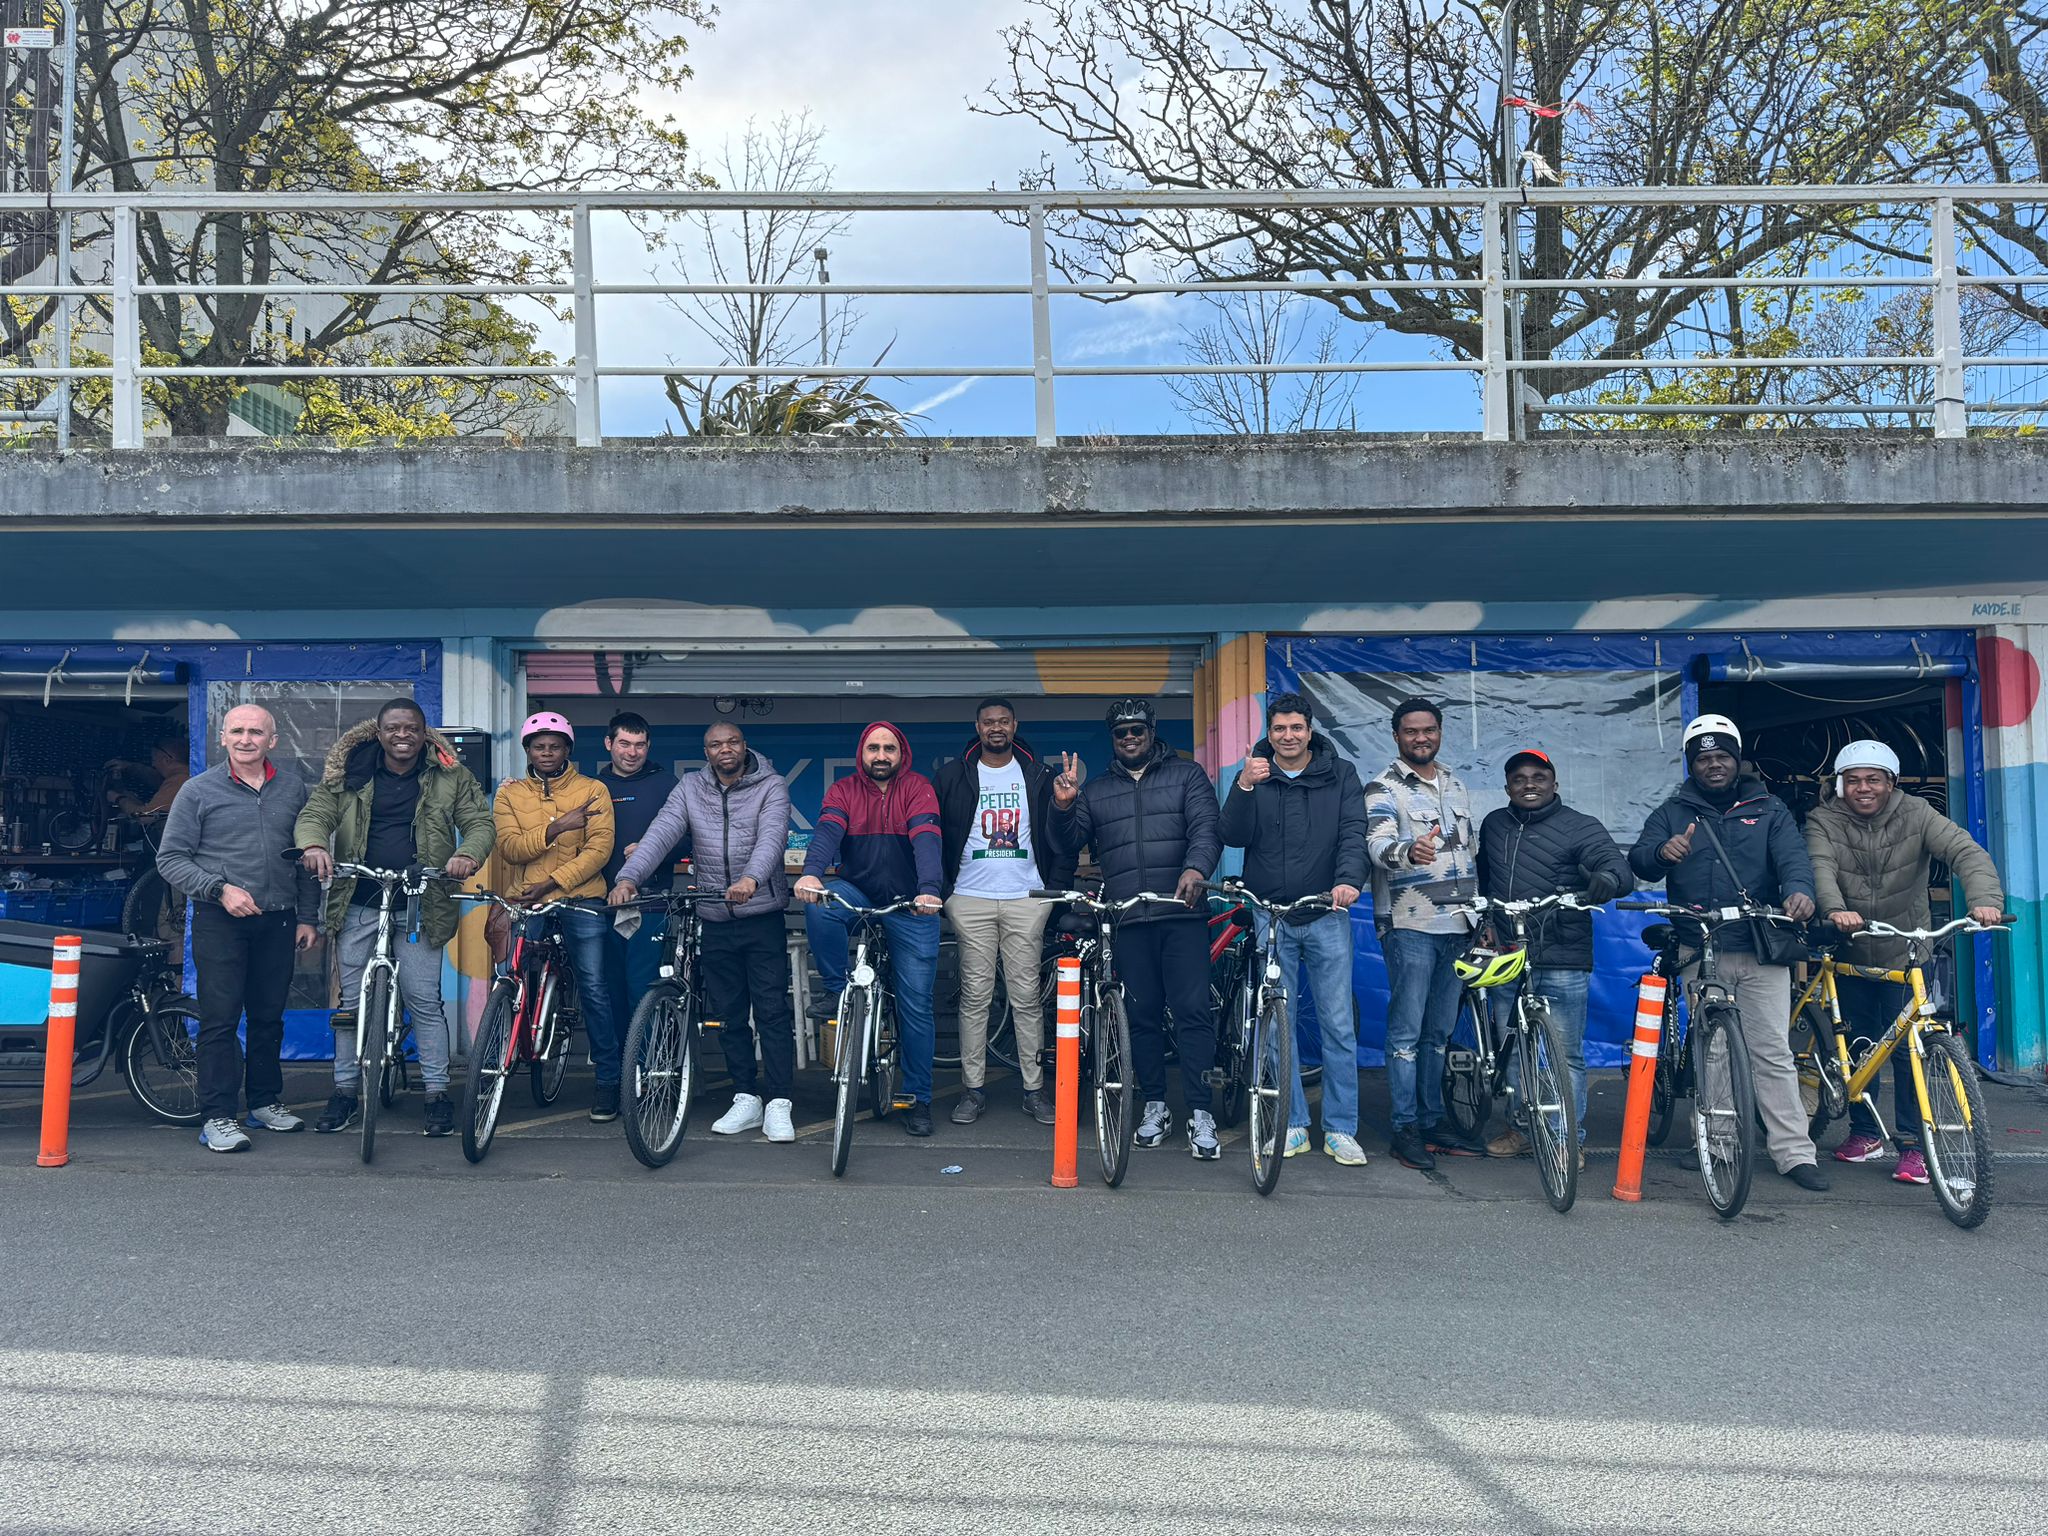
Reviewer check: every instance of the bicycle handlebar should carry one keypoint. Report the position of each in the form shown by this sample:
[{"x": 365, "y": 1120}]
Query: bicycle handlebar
[
  {"x": 517, "y": 911},
  {"x": 907, "y": 904},
  {"x": 1713, "y": 917},
  {"x": 1568, "y": 901},
  {"x": 1097, "y": 904},
  {"x": 1929, "y": 935},
  {"x": 1232, "y": 890}
]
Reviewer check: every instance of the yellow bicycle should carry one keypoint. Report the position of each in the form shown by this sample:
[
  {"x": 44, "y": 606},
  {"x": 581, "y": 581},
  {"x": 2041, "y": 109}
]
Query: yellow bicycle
[{"x": 1955, "y": 1138}]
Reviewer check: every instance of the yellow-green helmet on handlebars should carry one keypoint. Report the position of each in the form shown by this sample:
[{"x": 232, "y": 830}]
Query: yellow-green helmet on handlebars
[{"x": 1479, "y": 967}]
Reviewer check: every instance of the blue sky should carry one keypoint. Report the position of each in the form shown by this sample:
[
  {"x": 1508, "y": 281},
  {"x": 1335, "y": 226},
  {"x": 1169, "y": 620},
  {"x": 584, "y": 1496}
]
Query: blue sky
[{"x": 889, "y": 80}]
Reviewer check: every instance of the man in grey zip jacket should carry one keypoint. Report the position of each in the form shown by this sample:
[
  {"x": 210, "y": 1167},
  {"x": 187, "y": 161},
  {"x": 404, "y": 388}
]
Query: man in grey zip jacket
[{"x": 736, "y": 812}]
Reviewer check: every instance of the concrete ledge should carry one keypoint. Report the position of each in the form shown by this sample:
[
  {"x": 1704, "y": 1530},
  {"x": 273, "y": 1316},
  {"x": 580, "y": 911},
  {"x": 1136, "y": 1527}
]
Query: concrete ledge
[{"x": 1627, "y": 474}]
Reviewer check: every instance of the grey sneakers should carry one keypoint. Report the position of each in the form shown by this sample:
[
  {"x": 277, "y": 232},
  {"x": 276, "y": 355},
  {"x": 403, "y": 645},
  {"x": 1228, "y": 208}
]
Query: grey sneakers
[
  {"x": 1154, "y": 1123},
  {"x": 972, "y": 1102},
  {"x": 1202, "y": 1140},
  {"x": 274, "y": 1117},
  {"x": 223, "y": 1136}
]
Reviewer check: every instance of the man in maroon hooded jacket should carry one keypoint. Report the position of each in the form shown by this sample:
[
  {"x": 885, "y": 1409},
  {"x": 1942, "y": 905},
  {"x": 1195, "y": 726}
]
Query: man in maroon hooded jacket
[{"x": 880, "y": 826}]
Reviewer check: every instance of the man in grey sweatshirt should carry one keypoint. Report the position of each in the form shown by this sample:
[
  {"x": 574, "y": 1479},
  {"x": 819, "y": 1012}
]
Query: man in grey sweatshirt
[
  {"x": 736, "y": 813},
  {"x": 223, "y": 846}
]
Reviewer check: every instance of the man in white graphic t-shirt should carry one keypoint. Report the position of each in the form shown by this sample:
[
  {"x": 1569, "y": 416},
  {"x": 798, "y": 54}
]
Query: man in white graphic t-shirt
[{"x": 993, "y": 802}]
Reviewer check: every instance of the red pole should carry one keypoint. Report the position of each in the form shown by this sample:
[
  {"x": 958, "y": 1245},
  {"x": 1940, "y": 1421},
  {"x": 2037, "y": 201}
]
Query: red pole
[
  {"x": 66, "y": 955},
  {"x": 1066, "y": 1097},
  {"x": 1642, "y": 1074}
]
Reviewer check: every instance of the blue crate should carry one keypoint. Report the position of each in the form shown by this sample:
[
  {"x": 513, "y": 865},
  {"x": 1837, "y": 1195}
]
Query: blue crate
[
  {"x": 25, "y": 904},
  {"x": 99, "y": 906}
]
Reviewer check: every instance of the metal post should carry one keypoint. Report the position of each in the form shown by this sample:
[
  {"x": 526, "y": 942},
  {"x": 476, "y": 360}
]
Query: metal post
[
  {"x": 1951, "y": 410},
  {"x": 824, "y": 316},
  {"x": 65, "y": 183},
  {"x": 1509, "y": 178},
  {"x": 589, "y": 425},
  {"x": 1494, "y": 223},
  {"x": 127, "y": 343},
  {"x": 1041, "y": 331}
]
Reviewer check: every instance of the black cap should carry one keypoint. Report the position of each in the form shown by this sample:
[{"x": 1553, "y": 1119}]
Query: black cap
[{"x": 1529, "y": 755}]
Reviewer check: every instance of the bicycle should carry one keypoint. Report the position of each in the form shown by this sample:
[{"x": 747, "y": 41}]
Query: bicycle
[
  {"x": 660, "y": 1060},
  {"x": 525, "y": 1023},
  {"x": 1710, "y": 1062},
  {"x": 1106, "y": 1025},
  {"x": 1257, "y": 1077},
  {"x": 867, "y": 1051},
  {"x": 1955, "y": 1139},
  {"x": 380, "y": 1022},
  {"x": 1548, "y": 1107}
]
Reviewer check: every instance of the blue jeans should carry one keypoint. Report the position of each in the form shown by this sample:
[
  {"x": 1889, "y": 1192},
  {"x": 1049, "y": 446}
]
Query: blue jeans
[
  {"x": 631, "y": 967},
  {"x": 1565, "y": 991},
  {"x": 913, "y": 961},
  {"x": 584, "y": 930},
  {"x": 1422, "y": 1005},
  {"x": 1869, "y": 1008},
  {"x": 1325, "y": 947}
]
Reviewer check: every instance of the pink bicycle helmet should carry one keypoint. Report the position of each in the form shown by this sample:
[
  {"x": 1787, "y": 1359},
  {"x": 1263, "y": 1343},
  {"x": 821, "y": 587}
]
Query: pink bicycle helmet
[{"x": 546, "y": 720}]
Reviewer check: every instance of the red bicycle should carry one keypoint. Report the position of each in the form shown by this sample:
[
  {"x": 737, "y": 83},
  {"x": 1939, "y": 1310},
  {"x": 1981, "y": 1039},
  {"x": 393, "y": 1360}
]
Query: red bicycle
[{"x": 526, "y": 1023}]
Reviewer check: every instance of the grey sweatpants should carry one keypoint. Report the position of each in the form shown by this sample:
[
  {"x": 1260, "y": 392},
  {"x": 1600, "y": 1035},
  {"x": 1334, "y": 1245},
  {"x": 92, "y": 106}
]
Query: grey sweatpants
[
  {"x": 419, "y": 984},
  {"x": 1764, "y": 995}
]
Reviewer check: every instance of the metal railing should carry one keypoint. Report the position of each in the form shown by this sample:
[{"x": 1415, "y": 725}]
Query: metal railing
[{"x": 1495, "y": 369}]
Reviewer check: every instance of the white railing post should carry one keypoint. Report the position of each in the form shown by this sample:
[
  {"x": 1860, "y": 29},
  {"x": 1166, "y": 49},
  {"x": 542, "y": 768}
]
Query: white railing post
[
  {"x": 1493, "y": 329},
  {"x": 1041, "y": 332},
  {"x": 589, "y": 423},
  {"x": 127, "y": 349},
  {"x": 1951, "y": 408}
]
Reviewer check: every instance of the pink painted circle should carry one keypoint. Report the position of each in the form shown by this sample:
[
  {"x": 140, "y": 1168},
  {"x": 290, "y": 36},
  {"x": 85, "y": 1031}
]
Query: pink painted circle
[{"x": 2012, "y": 682}]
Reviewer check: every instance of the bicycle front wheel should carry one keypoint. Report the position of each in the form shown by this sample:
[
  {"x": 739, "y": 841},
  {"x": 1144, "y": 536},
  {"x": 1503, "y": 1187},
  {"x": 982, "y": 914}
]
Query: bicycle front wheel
[
  {"x": 1468, "y": 1097},
  {"x": 1724, "y": 1110},
  {"x": 1272, "y": 1089},
  {"x": 1955, "y": 1139},
  {"x": 660, "y": 1069},
  {"x": 372, "y": 1029},
  {"x": 1113, "y": 1091},
  {"x": 550, "y": 1040},
  {"x": 1547, "y": 1098},
  {"x": 161, "y": 1061},
  {"x": 849, "y": 1065},
  {"x": 490, "y": 1064}
]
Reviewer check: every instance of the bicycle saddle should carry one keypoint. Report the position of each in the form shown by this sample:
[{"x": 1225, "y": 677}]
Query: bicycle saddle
[{"x": 1660, "y": 937}]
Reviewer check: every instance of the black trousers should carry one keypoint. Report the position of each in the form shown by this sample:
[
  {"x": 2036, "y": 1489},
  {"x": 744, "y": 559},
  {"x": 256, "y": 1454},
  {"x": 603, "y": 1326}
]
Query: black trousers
[
  {"x": 746, "y": 970},
  {"x": 1165, "y": 964},
  {"x": 245, "y": 965}
]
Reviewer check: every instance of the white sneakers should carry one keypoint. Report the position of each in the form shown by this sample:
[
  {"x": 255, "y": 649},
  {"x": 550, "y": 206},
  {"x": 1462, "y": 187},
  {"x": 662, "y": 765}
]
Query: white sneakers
[{"x": 748, "y": 1113}]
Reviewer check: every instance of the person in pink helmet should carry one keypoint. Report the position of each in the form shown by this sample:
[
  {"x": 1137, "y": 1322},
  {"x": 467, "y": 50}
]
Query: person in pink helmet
[{"x": 555, "y": 832}]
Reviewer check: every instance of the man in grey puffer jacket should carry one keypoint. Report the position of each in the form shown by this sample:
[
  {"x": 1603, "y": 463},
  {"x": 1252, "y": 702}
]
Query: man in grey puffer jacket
[
  {"x": 1872, "y": 848},
  {"x": 736, "y": 813}
]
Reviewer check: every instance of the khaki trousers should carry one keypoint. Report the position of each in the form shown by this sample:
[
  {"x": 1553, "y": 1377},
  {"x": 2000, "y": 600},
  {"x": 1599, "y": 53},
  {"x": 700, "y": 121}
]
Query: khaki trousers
[
  {"x": 1763, "y": 993},
  {"x": 1015, "y": 930}
]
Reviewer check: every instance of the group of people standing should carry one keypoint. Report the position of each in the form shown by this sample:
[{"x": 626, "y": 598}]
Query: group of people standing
[{"x": 979, "y": 842}]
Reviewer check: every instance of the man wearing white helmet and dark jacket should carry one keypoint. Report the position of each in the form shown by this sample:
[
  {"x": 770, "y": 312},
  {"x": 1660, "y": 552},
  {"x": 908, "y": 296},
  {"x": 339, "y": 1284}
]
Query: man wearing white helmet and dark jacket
[
  {"x": 1759, "y": 838},
  {"x": 1872, "y": 848}
]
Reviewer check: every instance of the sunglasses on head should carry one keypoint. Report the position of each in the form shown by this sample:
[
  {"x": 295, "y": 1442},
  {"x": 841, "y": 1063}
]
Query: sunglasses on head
[{"x": 1127, "y": 732}]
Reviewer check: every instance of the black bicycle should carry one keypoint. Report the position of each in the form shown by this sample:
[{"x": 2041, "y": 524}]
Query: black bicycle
[
  {"x": 661, "y": 1042},
  {"x": 1709, "y": 1062},
  {"x": 1545, "y": 1109}
]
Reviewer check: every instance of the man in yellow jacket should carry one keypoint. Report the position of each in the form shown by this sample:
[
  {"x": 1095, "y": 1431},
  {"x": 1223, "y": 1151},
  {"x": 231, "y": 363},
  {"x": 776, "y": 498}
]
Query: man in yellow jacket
[{"x": 554, "y": 834}]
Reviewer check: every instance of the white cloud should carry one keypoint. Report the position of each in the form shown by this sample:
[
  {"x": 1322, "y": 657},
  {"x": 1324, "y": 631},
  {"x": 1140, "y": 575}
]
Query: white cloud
[
  {"x": 607, "y": 619},
  {"x": 1637, "y": 612},
  {"x": 173, "y": 629},
  {"x": 950, "y": 393},
  {"x": 1392, "y": 618}
]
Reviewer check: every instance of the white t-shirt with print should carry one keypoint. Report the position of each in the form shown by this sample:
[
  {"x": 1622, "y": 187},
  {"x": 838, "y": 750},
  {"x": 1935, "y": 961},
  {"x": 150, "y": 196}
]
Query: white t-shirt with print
[{"x": 998, "y": 861}]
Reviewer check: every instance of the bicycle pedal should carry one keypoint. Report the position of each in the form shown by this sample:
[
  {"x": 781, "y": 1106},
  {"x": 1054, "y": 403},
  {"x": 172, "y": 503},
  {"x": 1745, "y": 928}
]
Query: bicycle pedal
[
  {"x": 1460, "y": 1061},
  {"x": 901, "y": 1101},
  {"x": 344, "y": 1018},
  {"x": 1216, "y": 1077}
]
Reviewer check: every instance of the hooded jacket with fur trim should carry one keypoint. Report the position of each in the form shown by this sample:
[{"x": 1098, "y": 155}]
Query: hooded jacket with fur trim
[
  {"x": 884, "y": 837},
  {"x": 452, "y": 817}
]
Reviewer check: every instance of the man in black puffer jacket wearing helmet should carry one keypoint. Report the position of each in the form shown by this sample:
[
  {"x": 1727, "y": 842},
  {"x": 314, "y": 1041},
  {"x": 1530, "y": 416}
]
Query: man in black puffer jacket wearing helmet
[{"x": 1152, "y": 821}]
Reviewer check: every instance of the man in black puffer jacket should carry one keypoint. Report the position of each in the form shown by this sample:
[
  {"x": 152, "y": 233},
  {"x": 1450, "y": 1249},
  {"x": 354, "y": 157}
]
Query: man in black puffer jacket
[
  {"x": 1152, "y": 822},
  {"x": 1537, "y": 846}
]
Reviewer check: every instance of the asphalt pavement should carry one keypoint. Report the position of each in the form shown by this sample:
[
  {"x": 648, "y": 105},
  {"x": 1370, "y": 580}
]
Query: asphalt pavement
[{"x": 562, "y": 1340}]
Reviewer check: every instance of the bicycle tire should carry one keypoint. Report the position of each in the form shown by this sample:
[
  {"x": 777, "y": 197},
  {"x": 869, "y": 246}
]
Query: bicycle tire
[
  {"x": 166, "y": 1085},
  {"x": 1551, "y": 1108},
  {"x": 551, "y": 1039},
  {"x": 1957, "y": 1145},
  {"x": 1113, "y": 1088},
  {"x": 1233, "y": 1046},
  {"x": 371, "y": 1029},
  {"x": 660, "y": 1069},
  {"x": 490, "y": 1065},
  {"x": 885, "y": 1064},
  {"x": 391, "y": 1079},
  {"x": 849, "y": 1062},
  {"x": 1821, "y": 1090},
  {"x": 1724, "y": 1098},
  {"x": 1665, "y": 1083},
  {"x": 1468, "y": 1097},
  {"x": 1268, "y": 1104}
]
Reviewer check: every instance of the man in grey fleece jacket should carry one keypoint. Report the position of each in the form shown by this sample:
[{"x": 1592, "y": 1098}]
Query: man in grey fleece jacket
[
  {"x": 223, "y": 846},
  {"x": 736, "y": 812}
]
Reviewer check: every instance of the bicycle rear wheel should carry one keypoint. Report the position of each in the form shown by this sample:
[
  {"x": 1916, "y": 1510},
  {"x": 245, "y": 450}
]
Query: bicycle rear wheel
[
  {"x": 371, "y": 1032},
  {"x": 551, "y": 1034},
  {"x": 1547, "y": 1098},
  {"x": 160, "y": 1059},
  {"x": 490, "y": 1065},
  {"x": 1113, "y": 1090},
  {"x": 1233, "y": 1045},
  {"x": 1272, "y": 1089},
  {"x": 849, "y": 1065},
  {"x": 660, "y": 1069},
  {"x": 1724, "y": 1109},
  {"x": 1821, "y": 1090},
  {"x": 1468, "y": 1097},
  {"x": 1955, "y": 1140}
]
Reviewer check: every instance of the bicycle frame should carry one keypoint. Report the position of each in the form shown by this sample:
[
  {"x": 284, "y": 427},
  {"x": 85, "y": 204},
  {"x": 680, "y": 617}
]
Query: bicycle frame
[{"x": 1917, "y": 1015}]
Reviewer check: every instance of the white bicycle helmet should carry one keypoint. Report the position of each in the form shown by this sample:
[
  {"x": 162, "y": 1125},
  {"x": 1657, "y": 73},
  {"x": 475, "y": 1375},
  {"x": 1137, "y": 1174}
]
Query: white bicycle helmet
[
  {"x": 1864, "y": 754},
  {"x": 1708, "y": 731}
]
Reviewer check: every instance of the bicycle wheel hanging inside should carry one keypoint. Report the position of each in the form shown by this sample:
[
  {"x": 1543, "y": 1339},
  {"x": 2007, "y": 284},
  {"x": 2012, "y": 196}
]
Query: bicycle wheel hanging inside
[
  {"x": 371, "y": 1031},
  {"x": 1724, "y": 1106},
  {"x": 659, "y": 1072},
  {"x": 1956, "y": 1140},
  {"x": 1272, "y": 1090},
  {"x": 1111, "y": 1031},
  {"x": 490, "y": 1066}
]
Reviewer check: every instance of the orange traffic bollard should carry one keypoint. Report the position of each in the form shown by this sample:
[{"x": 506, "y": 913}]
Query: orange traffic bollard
[
  {"x": 1642, "y": 1074},
  {"x": 1066, "y": 1094},
  {"x": 66, "y": 953}
]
